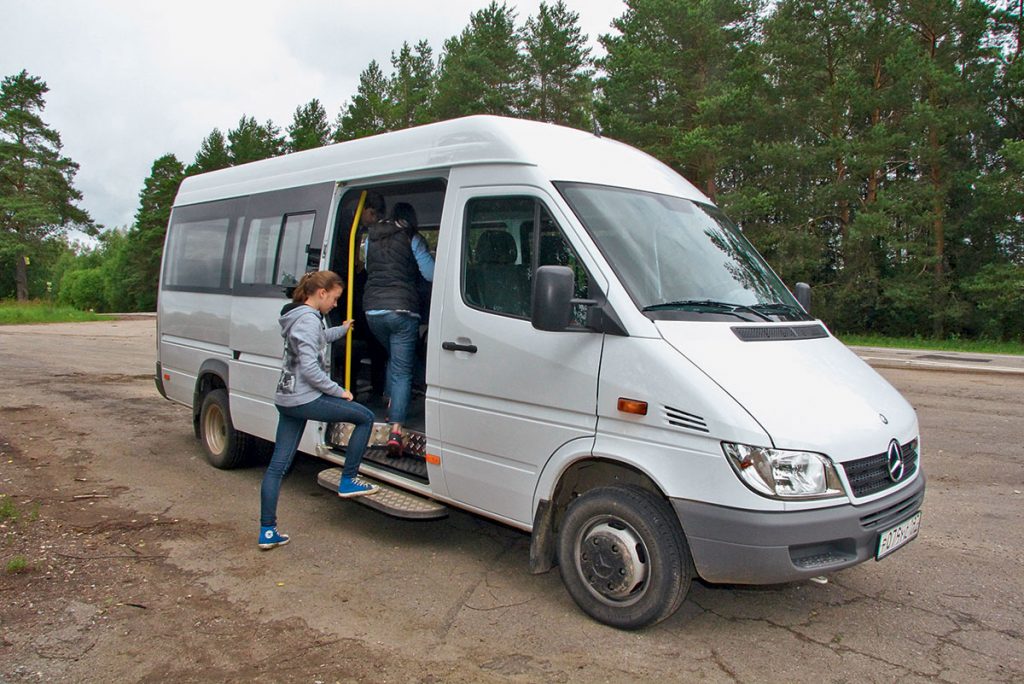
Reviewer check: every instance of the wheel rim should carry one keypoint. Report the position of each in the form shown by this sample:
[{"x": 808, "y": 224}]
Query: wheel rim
[
  {"x": 612, "y": 560},
  {"x": 215, "y": 430}
]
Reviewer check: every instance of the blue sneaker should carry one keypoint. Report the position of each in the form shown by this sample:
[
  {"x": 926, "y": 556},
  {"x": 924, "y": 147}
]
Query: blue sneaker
[
  {"x": 269, "y": 538},
  {"x": 350, "y": 487}
]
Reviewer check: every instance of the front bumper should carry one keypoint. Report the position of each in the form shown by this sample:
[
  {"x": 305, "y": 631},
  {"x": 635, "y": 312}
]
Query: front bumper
[{"x": 734, "y": 546}]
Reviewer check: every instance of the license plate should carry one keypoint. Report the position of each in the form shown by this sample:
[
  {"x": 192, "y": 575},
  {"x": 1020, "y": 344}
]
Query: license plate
[{"x": 895, "y": 537}]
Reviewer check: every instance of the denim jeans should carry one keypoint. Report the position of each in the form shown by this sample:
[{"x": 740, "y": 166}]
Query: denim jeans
[
  {"x": 291, "y": 423},
  {"x": 398, "y": 332}
]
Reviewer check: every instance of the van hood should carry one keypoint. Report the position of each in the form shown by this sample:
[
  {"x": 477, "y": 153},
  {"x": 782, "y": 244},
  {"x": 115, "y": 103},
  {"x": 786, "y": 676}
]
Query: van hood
[{"x": 807, "y": 394}]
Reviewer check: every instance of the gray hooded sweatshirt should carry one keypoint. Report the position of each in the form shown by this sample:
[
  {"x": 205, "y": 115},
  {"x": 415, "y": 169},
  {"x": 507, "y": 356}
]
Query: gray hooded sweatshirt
[{"x": 304, "y": 374}]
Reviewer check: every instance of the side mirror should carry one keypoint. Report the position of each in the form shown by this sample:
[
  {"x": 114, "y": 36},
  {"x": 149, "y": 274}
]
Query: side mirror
[
  {"x": 551, "y": 302},
  {"x": 803, "y": 295}
]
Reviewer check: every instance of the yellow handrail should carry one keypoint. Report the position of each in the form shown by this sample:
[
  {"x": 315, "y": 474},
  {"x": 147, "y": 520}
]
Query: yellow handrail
[{"x": 351, "y": 280}]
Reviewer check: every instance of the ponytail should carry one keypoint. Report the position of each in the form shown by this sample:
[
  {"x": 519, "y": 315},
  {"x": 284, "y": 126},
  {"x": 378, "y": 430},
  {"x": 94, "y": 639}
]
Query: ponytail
[{"x": 313, "y": 281}]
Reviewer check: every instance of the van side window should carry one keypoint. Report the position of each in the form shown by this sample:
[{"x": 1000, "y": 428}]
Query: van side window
[
  {"x": 554, "y": 250},
  {"x": 197, "y": 256},
  {"x": 275, "y": 252},
  {"x": 502, "y": 247}
]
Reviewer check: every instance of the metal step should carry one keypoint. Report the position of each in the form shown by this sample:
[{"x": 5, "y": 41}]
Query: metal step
[
  {"x": 390, "y": 500},
  {"x": 339, "y": 434}
]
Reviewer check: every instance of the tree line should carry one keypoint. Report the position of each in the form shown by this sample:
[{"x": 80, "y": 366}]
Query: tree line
[{"x": 873, "y": 148}]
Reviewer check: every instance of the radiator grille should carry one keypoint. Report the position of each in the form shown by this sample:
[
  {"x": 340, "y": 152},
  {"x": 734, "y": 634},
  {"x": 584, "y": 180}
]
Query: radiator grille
[{"x": 870, "y": 475}]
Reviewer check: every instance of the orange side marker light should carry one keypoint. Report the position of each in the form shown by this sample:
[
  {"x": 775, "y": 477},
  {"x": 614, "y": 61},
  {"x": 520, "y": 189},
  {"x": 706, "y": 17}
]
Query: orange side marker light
[
  {"x": 433, "y": 459},
  {"x": 633, "y": 406}
]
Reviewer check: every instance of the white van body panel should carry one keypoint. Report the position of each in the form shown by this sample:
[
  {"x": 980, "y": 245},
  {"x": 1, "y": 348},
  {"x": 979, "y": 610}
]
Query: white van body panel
[
  {"x": 193, "y": 328},
  {"x": 809, "y": 395},
  {"x": 684, "y": 457},
  {"x": 494, "y": 444},
  {"x": 560, "y": 154}
]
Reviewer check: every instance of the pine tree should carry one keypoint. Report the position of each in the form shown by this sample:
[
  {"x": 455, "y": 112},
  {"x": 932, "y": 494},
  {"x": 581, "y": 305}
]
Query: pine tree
[
  {"x": 482, "y": 70},
  {"x": 560, "y": 82},
  {"x": 668, "y": 87},
  {"x": 37, "y": 195},
  {"x": 369, "y": 112},
  {"x": 803, "y": 166},
  {"x": 144, "y": 242},
  {"x": 411, "y": 86},
  {"x": 213, "y": 154},
  {"x": 251, "y": 141},
  {"x": 309, "y": 128},
  {"x": 953, "y": 72}
]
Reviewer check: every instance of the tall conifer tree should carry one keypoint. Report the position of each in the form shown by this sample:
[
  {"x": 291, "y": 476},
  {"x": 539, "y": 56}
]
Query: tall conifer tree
[
  {"x": 482, "y": 70},
  {"x": 369, "y": 112},
  {"x": 560, "y": 71},
  {"x": 309, "y": 128},
  {"x": 37, "y": 194},
  {"x": 251, "y": 141},
  {"x": 213, "y": 154},
  {"x": 135, "y": 287},
  {"x": 669, "y": 75},
  {"x": 411, "y": 86}
]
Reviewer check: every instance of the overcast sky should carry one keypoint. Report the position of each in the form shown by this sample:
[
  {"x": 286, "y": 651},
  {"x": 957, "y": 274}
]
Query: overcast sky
[{"x": 131, "y": 80}]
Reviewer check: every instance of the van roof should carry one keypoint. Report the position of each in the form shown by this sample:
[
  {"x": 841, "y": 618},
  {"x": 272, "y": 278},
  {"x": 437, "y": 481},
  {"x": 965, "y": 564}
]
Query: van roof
[{"x": 559, "y": 153}]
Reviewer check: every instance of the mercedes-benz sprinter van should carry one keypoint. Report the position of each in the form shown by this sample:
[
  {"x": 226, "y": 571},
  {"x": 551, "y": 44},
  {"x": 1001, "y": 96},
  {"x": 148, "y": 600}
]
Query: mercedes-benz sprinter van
[{"x": 609, "y": 365}]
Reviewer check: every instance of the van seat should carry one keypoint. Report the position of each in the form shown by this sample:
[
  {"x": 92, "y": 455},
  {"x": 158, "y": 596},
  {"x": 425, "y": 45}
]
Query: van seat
[{"x": 494, "y": 281}]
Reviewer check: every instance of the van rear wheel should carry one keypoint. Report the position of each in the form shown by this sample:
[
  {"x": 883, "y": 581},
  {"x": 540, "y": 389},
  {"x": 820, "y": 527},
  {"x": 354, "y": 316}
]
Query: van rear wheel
[
  {"x": 225, "y": 446},
  {"x": 623, "y": 557}
]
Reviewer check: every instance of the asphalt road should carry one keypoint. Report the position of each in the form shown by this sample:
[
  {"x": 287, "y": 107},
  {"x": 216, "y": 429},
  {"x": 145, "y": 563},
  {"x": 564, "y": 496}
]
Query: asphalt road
[{"x": 457, "y": 592}]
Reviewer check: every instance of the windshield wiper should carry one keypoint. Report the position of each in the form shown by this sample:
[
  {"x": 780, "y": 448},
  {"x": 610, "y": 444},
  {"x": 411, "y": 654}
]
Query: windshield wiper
[
  {"x": 779, "y": 307},
  {"x": 716, "y": 307}
]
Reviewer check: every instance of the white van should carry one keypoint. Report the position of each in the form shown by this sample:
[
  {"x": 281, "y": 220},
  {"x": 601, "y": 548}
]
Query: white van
[{"x": 609, "y": 365}]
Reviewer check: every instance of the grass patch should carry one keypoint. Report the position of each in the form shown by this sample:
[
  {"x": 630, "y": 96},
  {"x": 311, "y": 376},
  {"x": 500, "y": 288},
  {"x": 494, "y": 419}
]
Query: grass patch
[
  {"x": 16, "y": 565},
  {"x": 957, "y": 345},
  {"x": 36, "y": 311},
  {"x": 8, "y": 511}
]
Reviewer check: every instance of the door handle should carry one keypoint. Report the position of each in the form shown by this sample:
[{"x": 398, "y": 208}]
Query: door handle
[{"x": 456, "y": 347}]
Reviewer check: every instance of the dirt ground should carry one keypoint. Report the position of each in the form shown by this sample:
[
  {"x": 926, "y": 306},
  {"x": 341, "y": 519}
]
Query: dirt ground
[{"x": 124, "y": 557}]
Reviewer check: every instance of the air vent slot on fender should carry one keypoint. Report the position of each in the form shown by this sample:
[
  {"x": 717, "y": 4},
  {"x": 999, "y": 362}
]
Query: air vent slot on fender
[
  {"x": 775, "y": 333},
  {"x": 687, "y": 421}
]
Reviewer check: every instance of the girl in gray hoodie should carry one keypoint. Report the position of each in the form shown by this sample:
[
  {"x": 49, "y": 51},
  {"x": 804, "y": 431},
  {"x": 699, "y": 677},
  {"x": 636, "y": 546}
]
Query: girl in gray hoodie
[{"x": 307, "y": 392}]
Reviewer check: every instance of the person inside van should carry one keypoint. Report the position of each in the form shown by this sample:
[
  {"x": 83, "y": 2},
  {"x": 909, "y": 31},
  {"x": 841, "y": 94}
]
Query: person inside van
[
  {"x": 396, "y": 258},
  {"x": 305, "y": 392}
]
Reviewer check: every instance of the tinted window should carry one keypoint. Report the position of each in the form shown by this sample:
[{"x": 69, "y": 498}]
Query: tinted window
[
  {"x": 197, "y": 255},
  {"x": 502, "y": 247},
  {"x": 291, "y": 261},
  {"x": 275, "y": 252}
]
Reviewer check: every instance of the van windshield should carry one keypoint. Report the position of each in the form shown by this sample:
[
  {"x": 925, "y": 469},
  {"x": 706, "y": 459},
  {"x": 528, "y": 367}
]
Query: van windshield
[{"x": 678, "y": 258}]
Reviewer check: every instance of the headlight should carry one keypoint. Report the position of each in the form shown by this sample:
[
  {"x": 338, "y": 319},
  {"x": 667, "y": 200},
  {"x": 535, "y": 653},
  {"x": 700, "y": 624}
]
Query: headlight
[{"x": 784, "y": 474}]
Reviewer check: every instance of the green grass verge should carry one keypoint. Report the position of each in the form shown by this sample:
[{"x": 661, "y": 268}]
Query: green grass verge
[
  {"x": 958, "y": 345},
  {"x": 42, "y": 312}
]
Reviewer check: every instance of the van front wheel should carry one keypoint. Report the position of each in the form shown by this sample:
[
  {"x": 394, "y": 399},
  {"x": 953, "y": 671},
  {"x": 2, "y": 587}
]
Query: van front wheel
[
  {"x": 224, "y": 445},
  {"x": 623, "y": 557}
]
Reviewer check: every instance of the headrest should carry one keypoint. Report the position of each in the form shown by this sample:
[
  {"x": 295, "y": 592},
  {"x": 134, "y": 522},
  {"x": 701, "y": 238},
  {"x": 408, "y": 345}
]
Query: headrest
[{"x": 496, "y": 247}]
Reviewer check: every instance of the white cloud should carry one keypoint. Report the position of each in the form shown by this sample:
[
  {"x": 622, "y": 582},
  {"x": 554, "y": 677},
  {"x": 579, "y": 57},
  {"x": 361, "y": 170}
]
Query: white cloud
[{"x": 132, "y": 80}]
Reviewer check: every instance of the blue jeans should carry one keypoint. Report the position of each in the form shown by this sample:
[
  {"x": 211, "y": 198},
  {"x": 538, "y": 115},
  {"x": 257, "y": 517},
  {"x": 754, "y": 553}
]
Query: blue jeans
[
  {"x": 398, "y": 332},
  {"x": 290, "y": 425}
]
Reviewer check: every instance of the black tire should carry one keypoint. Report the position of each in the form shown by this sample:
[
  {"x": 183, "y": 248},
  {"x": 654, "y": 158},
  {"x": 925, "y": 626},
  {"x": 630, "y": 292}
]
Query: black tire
[
  {"x": 225, "y": 446},
  {"x": 623, "y": 557}
]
